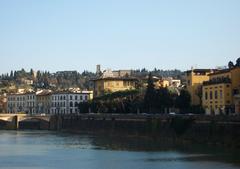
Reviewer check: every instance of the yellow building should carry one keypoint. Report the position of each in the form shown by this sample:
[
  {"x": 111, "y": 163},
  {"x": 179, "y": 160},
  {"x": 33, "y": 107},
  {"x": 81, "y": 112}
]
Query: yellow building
[
  {"x": 221, "y": 92},
  {"x": 158, "y": 82},
  {"x": 195, "y": 79},
  {"x": 3, "y": 103},
  {"x": 164, "y": 83},
  {"x": 113, "y": 84}
]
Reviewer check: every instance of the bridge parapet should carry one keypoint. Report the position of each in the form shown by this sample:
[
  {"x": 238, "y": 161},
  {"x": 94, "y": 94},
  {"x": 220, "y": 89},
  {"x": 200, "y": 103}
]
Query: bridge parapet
[
  {"x": 29, "y": 118},
  {"x": 11, "y": 121}
]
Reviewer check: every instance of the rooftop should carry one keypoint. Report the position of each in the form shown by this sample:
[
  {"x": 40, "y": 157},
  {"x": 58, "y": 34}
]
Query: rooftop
[
  {"x": 200, "y": 70},
  {"x": 217, "y": 81}
]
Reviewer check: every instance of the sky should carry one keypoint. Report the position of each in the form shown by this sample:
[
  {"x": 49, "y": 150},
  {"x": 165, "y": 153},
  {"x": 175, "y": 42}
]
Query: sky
[{"x": 118, "y": 34}]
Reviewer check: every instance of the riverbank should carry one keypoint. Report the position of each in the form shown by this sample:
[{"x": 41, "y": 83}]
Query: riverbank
[{"x": 214, "y": 130}]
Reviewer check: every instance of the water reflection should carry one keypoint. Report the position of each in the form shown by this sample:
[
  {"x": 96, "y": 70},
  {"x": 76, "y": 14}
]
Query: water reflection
[{"x": 50, "y": 150}]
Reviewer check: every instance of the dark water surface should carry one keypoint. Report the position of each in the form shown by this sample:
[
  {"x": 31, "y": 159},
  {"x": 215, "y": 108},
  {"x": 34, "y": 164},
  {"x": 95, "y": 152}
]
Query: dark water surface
[{"x": 52, "y": 150}]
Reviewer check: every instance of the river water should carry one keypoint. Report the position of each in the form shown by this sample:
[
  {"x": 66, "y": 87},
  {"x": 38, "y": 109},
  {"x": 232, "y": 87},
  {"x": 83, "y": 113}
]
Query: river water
[{"x": 54, "y": 150}]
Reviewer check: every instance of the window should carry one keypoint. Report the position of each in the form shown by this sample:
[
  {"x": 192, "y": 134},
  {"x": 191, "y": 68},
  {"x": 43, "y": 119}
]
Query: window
[
  {"x": 71, "y": 98},
  {"x": 81, "y": 97},
  {"x": 86, "y": 97},
  {"x": 216, "y": 94},
  {"x": 76, "y": 104},
  {"x": 211, "y": 96},
  {"x": 206, "y": 95},
  {"x": 221, "y": 94},
  {"x": 76, "y": 97},
  {"x": 235, "y": 91},
  {"x": 71, "y": 104}
]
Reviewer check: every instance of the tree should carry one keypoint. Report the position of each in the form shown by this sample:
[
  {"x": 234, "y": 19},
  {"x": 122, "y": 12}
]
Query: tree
[
  {"x": 83, "y": 107},
  {"x": 11, "y": 75},
  {"x": 150, "y": 94},
  {"x": 15, "y": 74},
  {"x": 163, "y": 99},
  {"x": 183, "y": 101},
  {"x": 198, "y": 92},
  {"x": 230, "y": 65},
  {"x": 31, "y": 72},
  {"x": 238, "y": 62}
]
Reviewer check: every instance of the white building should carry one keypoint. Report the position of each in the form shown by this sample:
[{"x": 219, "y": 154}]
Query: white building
[
  {"x": 176, "y": 82},
  {"x": 30, "y": 103},
  {"x": 68, "y": 102},
  {"x": 59, "y": 102},
  {"x": 173, "y": 82},
  {"x": 21, "y": 103}
]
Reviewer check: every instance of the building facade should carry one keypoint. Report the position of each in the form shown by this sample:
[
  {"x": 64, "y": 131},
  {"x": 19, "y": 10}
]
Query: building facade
[
  {"x": 43, "y": 102},
  {"x": 3, "y": 103},
  {"x": 221, "y": 92},
  {"x": 110, "y": 82},
  {"x": 47, "y": 102},
  {"x": 195, "y": 79},
  {"x": 21, "y": 103},
  {"x": 68, "y": 102}
]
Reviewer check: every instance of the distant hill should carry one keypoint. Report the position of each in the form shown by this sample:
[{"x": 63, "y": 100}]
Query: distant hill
[{"x": 66, "y": 79}]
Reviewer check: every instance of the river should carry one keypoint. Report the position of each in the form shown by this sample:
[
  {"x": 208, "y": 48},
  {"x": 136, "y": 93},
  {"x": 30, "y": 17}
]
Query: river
[{"x": 56, "y": 150}]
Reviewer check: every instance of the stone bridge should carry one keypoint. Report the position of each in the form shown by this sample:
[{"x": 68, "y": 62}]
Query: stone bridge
[{"x": 11, "y": 121}]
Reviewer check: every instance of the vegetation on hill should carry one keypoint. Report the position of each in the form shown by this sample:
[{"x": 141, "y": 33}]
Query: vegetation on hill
[{"x": 65, "y": 79}]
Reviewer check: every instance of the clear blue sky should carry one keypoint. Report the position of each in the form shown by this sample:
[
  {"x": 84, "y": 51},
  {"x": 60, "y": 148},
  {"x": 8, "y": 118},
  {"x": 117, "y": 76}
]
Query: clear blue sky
[{"x": 78, "y": 34}]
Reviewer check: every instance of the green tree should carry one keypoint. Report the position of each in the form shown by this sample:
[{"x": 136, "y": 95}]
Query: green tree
[
  {"x": 149, "y": 95},
  {"x": 238, "y": 62},
  {"x": 11, "y": 75},
  {"x": 163, "y": 100},
  {"x": 32, "y": 73},
  {"x": 183, "y": 101},
  {"x": 83, "y": 107},
  {"x": 230, "y": 65}
]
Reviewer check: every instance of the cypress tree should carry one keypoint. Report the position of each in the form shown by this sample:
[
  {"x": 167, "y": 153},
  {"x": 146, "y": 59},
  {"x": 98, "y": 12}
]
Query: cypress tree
[{"x": 149, "y": 95}]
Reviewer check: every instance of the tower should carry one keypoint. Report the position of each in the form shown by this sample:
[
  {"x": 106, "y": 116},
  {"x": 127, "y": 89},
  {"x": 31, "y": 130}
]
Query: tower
[{"x": 98, "y": 69}]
